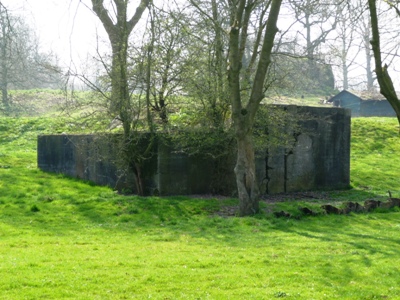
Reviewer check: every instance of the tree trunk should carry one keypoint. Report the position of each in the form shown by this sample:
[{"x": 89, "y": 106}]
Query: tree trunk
[
  {"x": 219, "y": 54},
  {"x": 4, "y": 68},
  {"x": 246, "y": 179},
  {"x": 368, "y": 57},
  {"x": 370, "y": 75},
  {"x": 4, "y": 97},
  {"x": 345, "y": 69},
  {"x": 120, "y": 98},
  {"x": 138, "y": 179},
  {"x": 385, "y": 82},
  {"x": 118, "y": 32},
  {"x": 243, "y": 114}
]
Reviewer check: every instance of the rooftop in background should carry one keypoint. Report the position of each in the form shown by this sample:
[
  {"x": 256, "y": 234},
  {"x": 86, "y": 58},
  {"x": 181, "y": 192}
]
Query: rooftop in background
[{"x": 363, "y": 104}]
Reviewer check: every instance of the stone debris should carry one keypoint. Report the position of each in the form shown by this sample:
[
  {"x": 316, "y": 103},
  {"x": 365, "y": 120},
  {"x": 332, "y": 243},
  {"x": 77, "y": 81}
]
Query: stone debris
[
  {"x": 348, "y": 207},
  {"x": 284, "y": 214}
]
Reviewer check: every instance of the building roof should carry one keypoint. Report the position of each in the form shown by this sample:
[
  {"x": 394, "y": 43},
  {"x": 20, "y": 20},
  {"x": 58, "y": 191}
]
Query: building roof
[
  {"x": 362, "y": 95},
  {"x": 371, "y": 95},
  {"x": 341, "y": 94}
]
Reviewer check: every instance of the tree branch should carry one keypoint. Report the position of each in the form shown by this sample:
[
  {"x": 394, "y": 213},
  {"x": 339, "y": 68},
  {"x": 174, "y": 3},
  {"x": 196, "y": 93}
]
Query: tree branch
[
  {"x": 138, "y": 14},
  {"x": 102, "y": 14}
]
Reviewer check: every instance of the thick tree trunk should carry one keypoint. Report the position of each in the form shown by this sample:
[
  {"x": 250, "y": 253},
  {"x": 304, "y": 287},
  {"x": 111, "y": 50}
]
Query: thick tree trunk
[
  {"x": 387, "y": 90},
  {"x": 219, "y": 54},
  {"x": 246, "y": 179},
  {"x": 120, "y": 101}
]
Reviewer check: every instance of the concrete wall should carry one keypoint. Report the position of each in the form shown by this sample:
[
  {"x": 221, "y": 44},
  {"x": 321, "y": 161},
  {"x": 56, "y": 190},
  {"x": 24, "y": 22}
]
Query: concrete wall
[
  {"x": 179, "y": 173},
  {"x": 319, "y": 159},
  {"x": 86, "y": 157}
]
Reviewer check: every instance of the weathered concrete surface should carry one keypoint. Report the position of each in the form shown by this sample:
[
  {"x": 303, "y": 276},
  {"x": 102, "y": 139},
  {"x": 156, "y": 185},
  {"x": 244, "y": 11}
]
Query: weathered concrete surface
[
  {"x": 179, "y": 173},
  {"x": 319, "y": 159},
  {"x": 86, "y": 157}
]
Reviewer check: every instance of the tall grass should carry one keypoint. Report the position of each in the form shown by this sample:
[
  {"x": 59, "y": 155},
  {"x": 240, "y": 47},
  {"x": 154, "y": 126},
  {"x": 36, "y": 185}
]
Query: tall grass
[{"x": 61, "y": 238}]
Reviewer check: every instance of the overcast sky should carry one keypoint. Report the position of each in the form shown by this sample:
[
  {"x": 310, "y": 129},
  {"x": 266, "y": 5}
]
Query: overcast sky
[{"x": 66, "y": 27}]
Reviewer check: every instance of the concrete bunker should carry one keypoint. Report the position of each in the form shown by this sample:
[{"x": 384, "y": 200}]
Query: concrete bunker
[{"x": 319, "y": 158}]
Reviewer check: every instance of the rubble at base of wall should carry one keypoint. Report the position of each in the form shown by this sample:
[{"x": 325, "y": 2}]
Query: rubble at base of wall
[{"x": 320, "y": 159}]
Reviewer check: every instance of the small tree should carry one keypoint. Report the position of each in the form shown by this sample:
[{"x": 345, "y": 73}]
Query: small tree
[
  {"x": 119, "y": 28},
  {"x": 169, "y": 60},
  {"x": 118, "y": 31},
  {"x": 245, "y": 105},
  {"x": 205, "y": 76}
]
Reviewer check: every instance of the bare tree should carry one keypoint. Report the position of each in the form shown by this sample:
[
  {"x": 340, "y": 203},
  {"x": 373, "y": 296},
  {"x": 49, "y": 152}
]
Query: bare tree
[
  {"x": 119, "y": 26},
  {"x": 345, "y": 48},
  {"x": 4, "y": 55},
  {"x": 118, "y": 31},
  {"x": 22, "y": 64},
  {"x": 366, "y": 37},
  {"x": 205, "y": 77},
  {"x": 170, "y": 57},
  {"x": 246, "y": 104},
  {"x": 318, "y": 19}
]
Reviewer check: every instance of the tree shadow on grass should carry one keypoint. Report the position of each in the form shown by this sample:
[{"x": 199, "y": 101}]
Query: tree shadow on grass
[
  {"x": 90, "y": 205},
  {"x": 361, "y": 248},
  {"x": 365, "y": 238},
  {"x": 360, "y": 239}
]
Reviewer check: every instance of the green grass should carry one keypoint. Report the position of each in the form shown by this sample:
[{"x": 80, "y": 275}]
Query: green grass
[
  {"x": 375, "y": 154},
  {"x": 61, "y": 238},
  {"x": 297, "y": 100}
]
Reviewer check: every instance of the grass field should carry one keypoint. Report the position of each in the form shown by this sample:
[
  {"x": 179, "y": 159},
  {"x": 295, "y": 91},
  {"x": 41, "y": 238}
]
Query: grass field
[{"x": 65, "y": 239}]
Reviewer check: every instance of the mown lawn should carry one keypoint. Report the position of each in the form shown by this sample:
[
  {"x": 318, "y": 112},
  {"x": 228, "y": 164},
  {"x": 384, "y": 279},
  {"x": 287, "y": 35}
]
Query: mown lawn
[{"x": 65, "y": 239}]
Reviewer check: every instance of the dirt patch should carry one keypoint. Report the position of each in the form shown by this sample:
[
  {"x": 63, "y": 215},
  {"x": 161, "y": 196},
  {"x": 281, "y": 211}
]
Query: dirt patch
[
  {"x": 232, "y": 210},
  {"x": 289, "y": 197},
  {"x": 227, "y": 211}
]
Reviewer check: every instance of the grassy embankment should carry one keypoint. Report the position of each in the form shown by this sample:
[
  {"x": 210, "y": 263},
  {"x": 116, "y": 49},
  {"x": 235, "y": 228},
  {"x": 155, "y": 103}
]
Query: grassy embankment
[{"x": 61, "y": 238}]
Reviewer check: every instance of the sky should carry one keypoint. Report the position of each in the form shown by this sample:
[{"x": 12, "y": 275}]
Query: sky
[
  {"x": 68, "y": 28},
  {"x": 65, "y": 27}
]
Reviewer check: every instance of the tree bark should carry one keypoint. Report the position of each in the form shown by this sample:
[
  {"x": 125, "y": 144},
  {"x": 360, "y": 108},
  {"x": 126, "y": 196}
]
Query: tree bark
[
  {"x": 246, "y": 179},
  {"x": 243, "y": 114},
  {"x": 385, "y": 81},
  {"x": 118, "y": 35},
  {"x": 219, "y": 50},
  {"x": 120, "y": 101},
  {"x": 368, "y": 56}
]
